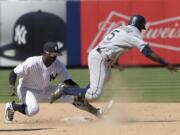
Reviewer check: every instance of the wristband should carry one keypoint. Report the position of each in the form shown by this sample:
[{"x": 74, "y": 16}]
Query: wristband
[{"x": 163, "y": 62}]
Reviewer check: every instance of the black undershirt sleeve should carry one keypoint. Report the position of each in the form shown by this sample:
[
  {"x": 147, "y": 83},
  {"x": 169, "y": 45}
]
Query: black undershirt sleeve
[
  {"x": 12, "y": 78},
  {"x": 151, "y": 55},
  {"x": 70, "y": 82}
]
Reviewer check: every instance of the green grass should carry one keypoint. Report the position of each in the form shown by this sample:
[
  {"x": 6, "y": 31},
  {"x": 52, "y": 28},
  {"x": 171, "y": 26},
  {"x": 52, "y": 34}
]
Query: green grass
[{"x": 132, "y": 85}]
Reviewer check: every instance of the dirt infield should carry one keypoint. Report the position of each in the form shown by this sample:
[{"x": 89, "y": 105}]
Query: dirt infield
[{"x": 124, "y": 119}]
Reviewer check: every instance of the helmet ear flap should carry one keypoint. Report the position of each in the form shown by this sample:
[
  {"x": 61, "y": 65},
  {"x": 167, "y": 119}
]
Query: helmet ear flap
[{"x": 137, "y": 21}]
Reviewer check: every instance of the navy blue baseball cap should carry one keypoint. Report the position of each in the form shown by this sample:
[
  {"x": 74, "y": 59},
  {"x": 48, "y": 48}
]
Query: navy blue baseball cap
[
  {"x": 52, "y": 47},
  {"x": 31, "y": 31}
]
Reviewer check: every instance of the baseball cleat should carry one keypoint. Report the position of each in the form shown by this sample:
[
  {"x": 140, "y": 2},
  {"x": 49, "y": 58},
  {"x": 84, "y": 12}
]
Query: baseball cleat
[
  {"x": 57, "y": 94},
  {"x": 105, "y": 110},
  {"x": 9, "y": 112}
]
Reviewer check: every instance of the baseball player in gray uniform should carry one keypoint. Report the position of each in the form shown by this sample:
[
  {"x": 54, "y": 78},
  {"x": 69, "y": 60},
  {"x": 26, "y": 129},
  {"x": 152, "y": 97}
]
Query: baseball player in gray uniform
[
  {"x": 106, "y": 55},
  {"x": 35, "y": 83}
]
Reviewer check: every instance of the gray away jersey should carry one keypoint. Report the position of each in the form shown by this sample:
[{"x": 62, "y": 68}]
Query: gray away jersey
[
  {"x": 121, "y": 40},
  {"x": 35, "y": 75}
]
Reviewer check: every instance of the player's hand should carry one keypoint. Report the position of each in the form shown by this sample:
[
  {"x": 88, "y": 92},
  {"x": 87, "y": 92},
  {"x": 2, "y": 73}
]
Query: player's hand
[
  {"x": 119, "y": 67},
  {"x": 13, "y": 91},
  {"x": 171, "y": 68}
]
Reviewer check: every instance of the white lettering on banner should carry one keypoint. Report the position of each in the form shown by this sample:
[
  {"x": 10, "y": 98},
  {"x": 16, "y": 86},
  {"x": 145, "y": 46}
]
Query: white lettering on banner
[
  {"x": 20, "y": 34},
  {"x": 163, "y": 32},
  {"x": 160, "y": 32},
  {"x": 113, "y": 24},
  {"x": 153, "y": 31}
]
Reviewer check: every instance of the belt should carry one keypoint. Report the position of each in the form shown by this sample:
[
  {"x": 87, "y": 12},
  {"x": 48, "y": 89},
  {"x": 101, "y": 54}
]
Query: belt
[{"x": 103, "y": 54}]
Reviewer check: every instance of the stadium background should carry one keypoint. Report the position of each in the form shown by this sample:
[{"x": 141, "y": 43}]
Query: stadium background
[
  {"x": 151, "y": 91},
  {"x": 88, "y": 21}
]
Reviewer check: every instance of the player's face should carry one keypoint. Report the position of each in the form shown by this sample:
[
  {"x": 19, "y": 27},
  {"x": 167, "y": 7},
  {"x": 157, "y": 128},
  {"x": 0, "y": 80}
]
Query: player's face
[
  {"x": 143, "y": 27},
  {"x": 50, "y": 57}
]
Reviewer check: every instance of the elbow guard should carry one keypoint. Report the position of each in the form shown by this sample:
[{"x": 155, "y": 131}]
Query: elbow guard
[{"x": 147, "y": 51}]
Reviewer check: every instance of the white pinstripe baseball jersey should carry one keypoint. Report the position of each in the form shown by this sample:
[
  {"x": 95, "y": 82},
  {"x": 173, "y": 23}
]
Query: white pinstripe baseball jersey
[
  {"x": 120, "y": 40},
  {"x": 36, "y": 75}
]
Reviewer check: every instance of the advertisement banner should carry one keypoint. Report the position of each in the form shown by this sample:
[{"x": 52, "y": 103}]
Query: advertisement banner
[{"x": 163, "y": 22}]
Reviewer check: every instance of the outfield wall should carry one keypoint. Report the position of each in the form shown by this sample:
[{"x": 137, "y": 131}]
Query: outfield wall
[
  {"x": 100, "y": 17},
  {"x": 87, "y": 21}
]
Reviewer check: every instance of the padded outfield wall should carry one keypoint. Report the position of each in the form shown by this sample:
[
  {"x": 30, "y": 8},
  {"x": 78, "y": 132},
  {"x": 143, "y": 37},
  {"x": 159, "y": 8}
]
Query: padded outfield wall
[
  {"x": 96, "y": 18},
  {"x": 85, "y": 23}
]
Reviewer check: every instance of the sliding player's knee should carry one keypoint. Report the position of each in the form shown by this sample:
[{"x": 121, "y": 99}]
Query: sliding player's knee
[{"x": 93, "y": 94}]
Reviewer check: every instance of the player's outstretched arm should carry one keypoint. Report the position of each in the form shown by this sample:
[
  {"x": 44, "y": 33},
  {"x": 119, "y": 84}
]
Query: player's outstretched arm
[
  {"x": 70, "y": 82},
  {"x": 118, "y": 66},
  {"x": 151, "y": 55}
]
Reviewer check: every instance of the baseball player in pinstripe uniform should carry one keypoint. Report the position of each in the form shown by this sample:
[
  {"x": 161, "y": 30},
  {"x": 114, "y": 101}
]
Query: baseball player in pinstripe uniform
[
  {"x": 107, "y": 54},
  {"x": 35, "y": 83}
]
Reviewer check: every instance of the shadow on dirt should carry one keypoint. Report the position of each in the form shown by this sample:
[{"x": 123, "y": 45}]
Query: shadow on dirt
[
  {"x": 23, "y": 130},
  {"x": 149, "y": 121}
]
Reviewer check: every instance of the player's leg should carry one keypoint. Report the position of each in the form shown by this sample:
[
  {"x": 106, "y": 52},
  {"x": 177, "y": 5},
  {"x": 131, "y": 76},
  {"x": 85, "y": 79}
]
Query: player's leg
[
  {"x": 32, "y": 103},
  {"x": 80, "y": 103},
  {"x": 11, "y": 107},
  {"x": 86, "y": 106},
  {"x": 29, "y": 98},
  {"x": 98, "y": 75},
  {"x": 77, "y": 101},
  {"x": 52, "y": 89},
  {"x": 99, "y": 72},
  {"x": 9, "y": 112},
  {"x": 97, "y": 67},
  {"x": 29, "y": 105}
]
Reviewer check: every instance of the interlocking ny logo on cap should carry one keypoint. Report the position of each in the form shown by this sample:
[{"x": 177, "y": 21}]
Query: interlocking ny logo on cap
[
  {"x": 59, "y": 45},
  {"x": 20, "y": 34},
  {"x": 31, "y": 31}
]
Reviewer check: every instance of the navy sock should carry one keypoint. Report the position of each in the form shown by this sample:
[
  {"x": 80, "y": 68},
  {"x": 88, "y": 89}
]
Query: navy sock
[
  {"x": 88, "y": 86},
  {"x": 75, "y": 91},
  {"x": 19, "y": 107}
]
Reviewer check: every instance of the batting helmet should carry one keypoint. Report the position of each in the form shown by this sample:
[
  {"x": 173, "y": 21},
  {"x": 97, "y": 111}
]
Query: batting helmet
[{"x": 137, "y": 21}]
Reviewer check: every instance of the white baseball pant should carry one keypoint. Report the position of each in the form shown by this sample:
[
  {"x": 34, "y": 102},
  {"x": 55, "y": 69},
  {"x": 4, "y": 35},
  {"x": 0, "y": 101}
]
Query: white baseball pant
[
  {"x": 100, "y": 72},
  {"x": 31, "y": 98}
]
